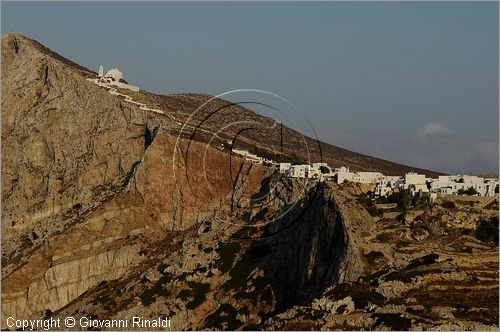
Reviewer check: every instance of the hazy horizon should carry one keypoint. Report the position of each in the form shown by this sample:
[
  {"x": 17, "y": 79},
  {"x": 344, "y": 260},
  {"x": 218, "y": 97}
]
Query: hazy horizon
[{"x": 414, "y": 83}]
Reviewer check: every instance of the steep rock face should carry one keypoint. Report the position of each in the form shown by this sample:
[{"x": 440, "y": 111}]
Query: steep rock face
[
  {"x": 183, "y": 182},
  {"x": 63, "y": 138},
  {"x": 103, "y": 247},
  {"x": 315, "y": 245},
  {"x": 80, "y": 197}
]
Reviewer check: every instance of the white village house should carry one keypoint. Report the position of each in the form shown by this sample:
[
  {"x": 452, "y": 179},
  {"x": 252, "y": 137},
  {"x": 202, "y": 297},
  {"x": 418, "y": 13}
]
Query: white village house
[
  {"x": 387, "y": 184},
  {"x": 416, "y": 183},
  {"x": 299, "y": 171},
  {"x": 284, "y": 167},
  {"x": 319, "y": 170}
]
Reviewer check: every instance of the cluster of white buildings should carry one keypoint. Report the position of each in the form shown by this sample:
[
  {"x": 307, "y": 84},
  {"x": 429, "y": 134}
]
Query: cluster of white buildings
[
  {"x": 386, "y": 185},
  {"x": 315, "y": 171},
  {"x": 452, "y": 184},
  {"x": 445, "y": 184}
]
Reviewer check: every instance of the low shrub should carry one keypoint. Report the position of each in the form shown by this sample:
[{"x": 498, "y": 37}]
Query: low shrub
[
  {"x": 383, "y": 237},
  {"x": 448, "y": 205},
  {"x": 374, "y": 256},
  {"x": 487, "y": 230}
]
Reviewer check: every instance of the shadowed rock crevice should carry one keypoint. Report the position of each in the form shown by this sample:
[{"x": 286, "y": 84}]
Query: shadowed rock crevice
[
  {"x": 308, "y": 251},
  {"x": 15, "y": 45},
  {"x": 46, "y": 75},
  {"x": 149, "y": 135}
]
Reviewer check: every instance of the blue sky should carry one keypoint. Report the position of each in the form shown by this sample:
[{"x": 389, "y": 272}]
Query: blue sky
[{"x": 415, "y": 82}]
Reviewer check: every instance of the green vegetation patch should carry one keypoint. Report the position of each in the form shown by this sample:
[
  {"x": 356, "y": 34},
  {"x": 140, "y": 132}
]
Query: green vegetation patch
[
  {"x": 247, "y": 232},
  {"x": 448, "y": 205},
  {"x": 184, "y": 294},
  {"x": 106, "y": 302},
  {"x": 424, "y": 260},
  {"x": 407, "y": 276},
  {"x": 383, "y": 237},
  {"x": 341, "y": 309},
  {"x": 183, "y": 276},
  {"x": 470, "y": 191},
  {"x": 207, "y": 226},
  {"x": 487, "y": 230},
  {"x": 260, "y": 215},
  {"x": 369, "y": 205}
]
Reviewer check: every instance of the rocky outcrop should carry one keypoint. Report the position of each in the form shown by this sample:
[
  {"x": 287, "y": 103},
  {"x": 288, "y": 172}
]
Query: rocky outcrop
[
  {"x": 63, "y": 138},
  {"x": 183, "y": 182},
  {"x": 315, "y": 245},
  {"x": 86, "y": 175},
  {"x": 105, "y": 247}
]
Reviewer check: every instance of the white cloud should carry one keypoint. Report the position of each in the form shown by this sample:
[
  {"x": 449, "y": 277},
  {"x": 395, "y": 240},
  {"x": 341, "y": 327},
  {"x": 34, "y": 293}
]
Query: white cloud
[{"x": 433, "y": 129}]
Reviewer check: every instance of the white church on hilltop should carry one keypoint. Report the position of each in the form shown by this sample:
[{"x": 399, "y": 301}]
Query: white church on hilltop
[{"x": 115, "y": 77}]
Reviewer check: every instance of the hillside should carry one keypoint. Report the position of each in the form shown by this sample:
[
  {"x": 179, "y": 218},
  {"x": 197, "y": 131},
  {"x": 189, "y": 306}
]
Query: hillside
[
  {"x": 267, "y": 142},
  {"x": 107, "y": 212}
]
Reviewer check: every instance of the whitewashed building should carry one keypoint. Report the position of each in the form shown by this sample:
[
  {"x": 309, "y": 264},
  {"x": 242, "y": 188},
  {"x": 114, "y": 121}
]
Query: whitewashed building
[
  {"x": 248, "y": 156},
  {"x": 386, "y": 185},
  {"x": 343, "y": 174},
  {"x": 416, "y": 183},
  {"x": 414, "y": 179},
  {"x": 315, "y": 171},
  {"x": 284, "y": 167},
  {"x": 299, "y": 171},
  {"x": 366, "y": 177},
  {"x": 455, "y": 184},
  {"x": 115, "y": 77}
]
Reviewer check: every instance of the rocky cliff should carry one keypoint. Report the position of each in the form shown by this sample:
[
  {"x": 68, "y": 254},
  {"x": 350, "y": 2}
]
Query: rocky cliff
[
  {"x": 112, "y": 211},
  {"x": 70, "y": 151}
]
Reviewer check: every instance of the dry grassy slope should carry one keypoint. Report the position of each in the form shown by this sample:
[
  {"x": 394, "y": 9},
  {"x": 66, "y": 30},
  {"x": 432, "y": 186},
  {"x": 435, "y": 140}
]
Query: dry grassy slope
[
  {"x": 293, "y": 140},
  {"x": 181, "y": 106}
]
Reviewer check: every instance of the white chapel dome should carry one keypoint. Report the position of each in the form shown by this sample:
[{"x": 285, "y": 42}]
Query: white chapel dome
[{"x": 115, "y": 74}]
